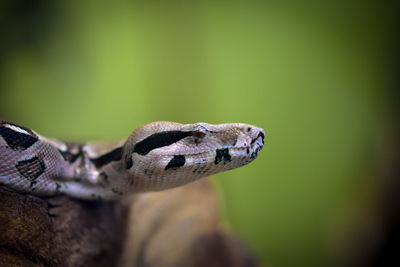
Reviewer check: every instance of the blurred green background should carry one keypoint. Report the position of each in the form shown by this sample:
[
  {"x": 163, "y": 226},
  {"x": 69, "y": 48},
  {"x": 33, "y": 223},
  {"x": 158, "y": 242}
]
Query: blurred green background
[{"x": 313, "y": 74}]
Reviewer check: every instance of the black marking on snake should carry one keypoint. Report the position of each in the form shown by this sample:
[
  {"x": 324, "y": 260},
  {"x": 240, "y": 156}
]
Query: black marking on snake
[
  {"x": 234, "y": 142},
  {"x": 255, "y": 153},
  {"x": 68, "y": 155},
  {"x": 58, "y": 187},
  {"x": 247, "y": 150},
  {"x": 197, "y": 140},
  {"x": 222, "y": 155},
  {"x": 16, "y": 140},
  {"x": 159, "y": 140},
  {"x": 103, "y": 179},
  {"x": 128, "y": 161},
  {"x": 176, "y": 162},
  {"x": 260, "y": 134},
  {"x": 31, "y": 169},
  {"x": 113, "y": 155}
]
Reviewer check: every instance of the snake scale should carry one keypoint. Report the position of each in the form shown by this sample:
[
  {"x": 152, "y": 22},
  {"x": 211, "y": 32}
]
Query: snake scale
[{"x": 156, "y": 156}]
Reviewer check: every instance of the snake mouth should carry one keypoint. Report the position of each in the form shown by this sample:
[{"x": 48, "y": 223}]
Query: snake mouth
[
  {"x": 256, "y": 147},
  {"x": 249, "y": 146},
  {"x": 260, "y": 135},
  {"x": 256, "y": 144}
]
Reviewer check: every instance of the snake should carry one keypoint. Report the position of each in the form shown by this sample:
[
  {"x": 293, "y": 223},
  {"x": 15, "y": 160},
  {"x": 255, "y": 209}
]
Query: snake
[{"x": 156, "y": 156}]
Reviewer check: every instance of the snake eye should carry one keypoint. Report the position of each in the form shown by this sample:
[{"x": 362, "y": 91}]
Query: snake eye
[
  {"x": 199, "y": 131},
  {"x": 198, "y": 134}
]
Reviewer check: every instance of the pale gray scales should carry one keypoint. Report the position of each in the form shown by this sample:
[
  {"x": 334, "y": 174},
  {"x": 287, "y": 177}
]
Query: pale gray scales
[{"x": 157, "y": 156}]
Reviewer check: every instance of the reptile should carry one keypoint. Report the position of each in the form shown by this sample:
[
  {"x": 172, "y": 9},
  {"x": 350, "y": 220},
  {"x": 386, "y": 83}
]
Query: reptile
[{"x": 156, "y": 156}]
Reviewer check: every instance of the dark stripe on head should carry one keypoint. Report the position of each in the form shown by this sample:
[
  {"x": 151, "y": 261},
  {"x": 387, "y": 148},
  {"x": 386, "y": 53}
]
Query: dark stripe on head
[
  {"x": 31, "y": 169},
  {"x": 128, "y": 161},
  {"x": 159, "y": 140},
  {"x": 222, "y": 155},
  {"x": 176, "y": 162},
  {"x": 259, "y": 135},
  {"x": 113, "y": 155},
  {"x": 17, "y": 140}
]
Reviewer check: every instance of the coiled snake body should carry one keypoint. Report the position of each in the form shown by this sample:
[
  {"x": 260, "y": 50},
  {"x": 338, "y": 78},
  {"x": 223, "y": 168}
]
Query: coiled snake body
[{"x": 156, "y": 156}]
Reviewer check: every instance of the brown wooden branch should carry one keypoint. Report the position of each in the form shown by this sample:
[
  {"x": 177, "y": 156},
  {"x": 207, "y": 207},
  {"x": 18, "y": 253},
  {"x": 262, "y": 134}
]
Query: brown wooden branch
[{"x": 177, "y": 227}]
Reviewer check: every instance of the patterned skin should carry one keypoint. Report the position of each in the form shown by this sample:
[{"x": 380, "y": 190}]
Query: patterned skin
[{"x": 157, "y": 156}]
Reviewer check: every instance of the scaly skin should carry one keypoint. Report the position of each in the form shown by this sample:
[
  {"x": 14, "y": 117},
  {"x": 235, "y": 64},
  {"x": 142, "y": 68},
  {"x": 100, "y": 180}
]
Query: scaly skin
[{"x": 157, "y": 156}]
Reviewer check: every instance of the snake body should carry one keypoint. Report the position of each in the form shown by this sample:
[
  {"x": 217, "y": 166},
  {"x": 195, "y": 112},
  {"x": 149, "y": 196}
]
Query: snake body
[{"x": 157, "y": 156}]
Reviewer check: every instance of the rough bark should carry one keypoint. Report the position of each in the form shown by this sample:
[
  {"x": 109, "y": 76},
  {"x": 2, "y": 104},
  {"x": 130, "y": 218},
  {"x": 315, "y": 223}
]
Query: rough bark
[
  {"x": 176, "y": 227},
  {"x": 59, "y": 231}
]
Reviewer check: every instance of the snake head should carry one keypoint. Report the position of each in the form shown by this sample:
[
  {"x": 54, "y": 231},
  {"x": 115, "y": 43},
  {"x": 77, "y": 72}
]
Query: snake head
[{"x": 163, "y": 155}]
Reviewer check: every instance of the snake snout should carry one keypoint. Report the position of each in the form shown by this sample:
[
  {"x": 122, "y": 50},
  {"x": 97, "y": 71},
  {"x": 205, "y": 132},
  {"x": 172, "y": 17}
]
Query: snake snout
[
  {"x": 262, "y": 135},
  {"x": 257, "y": 134}
]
